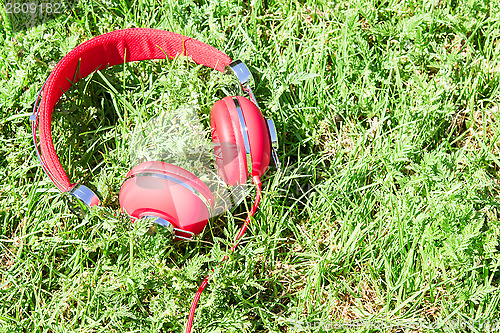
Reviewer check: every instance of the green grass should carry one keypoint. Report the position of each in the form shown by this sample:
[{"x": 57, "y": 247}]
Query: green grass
[{"x": 385, "y": 209}]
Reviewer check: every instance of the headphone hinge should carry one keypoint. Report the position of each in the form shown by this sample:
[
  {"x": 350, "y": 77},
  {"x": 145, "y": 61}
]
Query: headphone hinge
[
  {"x": 273, "y": 136},
  {"x": 80, "y": 198}
]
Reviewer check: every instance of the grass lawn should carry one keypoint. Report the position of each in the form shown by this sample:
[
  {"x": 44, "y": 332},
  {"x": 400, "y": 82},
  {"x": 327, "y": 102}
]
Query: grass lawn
[{"x": 383, "y": 218}]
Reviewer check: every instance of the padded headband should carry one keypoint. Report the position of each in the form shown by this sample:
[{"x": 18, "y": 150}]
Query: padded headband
[{"x": 107, "y": 50}]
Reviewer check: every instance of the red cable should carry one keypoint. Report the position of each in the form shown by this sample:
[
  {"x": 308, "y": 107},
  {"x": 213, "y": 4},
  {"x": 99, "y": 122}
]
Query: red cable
[{"x": 258, "y": 187}]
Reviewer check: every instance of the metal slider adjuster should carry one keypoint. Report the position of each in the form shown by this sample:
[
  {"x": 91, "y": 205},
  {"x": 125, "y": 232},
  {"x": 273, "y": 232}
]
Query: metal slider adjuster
[
  {"x": 79, "y": 200},
  {"x": 245, "y": 78}
]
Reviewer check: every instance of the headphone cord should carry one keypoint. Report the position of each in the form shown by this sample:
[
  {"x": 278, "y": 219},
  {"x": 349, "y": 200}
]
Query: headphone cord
[{"x": 258, "y": 187}]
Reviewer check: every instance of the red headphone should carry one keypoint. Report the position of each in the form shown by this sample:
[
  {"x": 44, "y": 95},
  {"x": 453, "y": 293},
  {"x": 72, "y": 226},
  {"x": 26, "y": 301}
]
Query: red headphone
[{"x": 182, "y": 202}]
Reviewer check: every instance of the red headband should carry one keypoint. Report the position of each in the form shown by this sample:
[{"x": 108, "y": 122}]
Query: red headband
[{"x": 107, "y": 50}]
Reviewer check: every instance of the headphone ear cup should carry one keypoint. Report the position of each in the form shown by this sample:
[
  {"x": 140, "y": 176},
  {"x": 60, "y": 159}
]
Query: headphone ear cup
[
  {"x": 228, "y": 136},
  {"x": 169, "y": 192}
]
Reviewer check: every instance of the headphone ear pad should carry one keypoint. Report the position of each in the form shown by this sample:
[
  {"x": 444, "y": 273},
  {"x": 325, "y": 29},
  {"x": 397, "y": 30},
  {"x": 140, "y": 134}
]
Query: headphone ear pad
[
  {"x": 258, "y": 136},
  {"x": 164, "y": 190},
  {"x": 229, "y": 147},
  {"x": 228, "y": 136}
]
